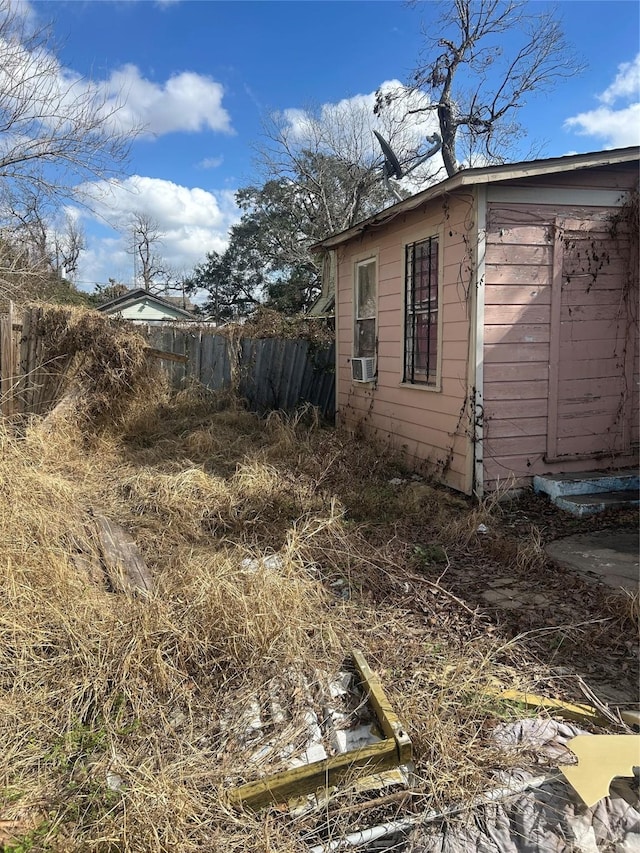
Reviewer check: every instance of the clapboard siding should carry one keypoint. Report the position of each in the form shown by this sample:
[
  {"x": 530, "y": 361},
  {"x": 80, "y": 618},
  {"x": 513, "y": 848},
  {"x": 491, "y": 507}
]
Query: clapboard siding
[
  {"x": 617, "y": 176},
  {"x": 424, "y": 423},
  {"x": 527, "y": 319},
  {"x": 519, "y": 335}
]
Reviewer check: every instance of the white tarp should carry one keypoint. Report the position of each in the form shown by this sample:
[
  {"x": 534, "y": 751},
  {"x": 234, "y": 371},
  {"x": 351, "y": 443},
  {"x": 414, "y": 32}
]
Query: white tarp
[{"x": 549, "y": 818}]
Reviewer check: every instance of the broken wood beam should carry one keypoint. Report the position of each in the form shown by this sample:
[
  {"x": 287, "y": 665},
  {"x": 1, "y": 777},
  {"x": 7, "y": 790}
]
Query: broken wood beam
[
  {"x": 125, "y": 568},
  {"x": 386, "y": 716},
  {"x": 163, "y": 355},
  {"x": 328, "y": 773},
  {"x": 393, "y": 751}
]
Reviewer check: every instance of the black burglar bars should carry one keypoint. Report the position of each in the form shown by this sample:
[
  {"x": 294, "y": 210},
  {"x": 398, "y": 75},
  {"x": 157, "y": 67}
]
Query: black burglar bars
[{"x": 419, "y": 298}]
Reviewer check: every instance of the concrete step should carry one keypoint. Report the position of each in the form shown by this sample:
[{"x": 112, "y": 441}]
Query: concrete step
[
  {"x": 590, "y": 504},
  {"x": 587, "y": 483}
]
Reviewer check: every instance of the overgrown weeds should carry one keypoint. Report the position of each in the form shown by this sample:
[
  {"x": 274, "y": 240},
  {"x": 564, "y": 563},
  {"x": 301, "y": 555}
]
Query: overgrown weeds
[{"x": 276, "y": 547}]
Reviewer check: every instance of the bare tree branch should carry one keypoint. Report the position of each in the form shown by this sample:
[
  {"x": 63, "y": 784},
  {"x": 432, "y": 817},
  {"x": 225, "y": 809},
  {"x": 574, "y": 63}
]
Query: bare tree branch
[
  {"x": 475, "y": 87},
  {"x": 146, "y": 237},
  {"x": 56, "y": 128}
]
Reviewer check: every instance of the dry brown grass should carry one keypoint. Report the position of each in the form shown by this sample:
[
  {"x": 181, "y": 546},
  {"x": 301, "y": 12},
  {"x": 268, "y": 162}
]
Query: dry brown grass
[
  {"x": 97, "y": 686},
  {"x": 91, "y": 681}
]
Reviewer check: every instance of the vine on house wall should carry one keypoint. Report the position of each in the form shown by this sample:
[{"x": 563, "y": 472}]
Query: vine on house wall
[
  {"x": 588, "y": 256},
  {"x": 624, "y": 225}
]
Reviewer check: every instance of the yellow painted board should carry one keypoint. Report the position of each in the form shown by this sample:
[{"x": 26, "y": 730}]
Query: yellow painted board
[
  {"x": 600, "y": 759},
  {"x": 308, "y": 778},
  {"x": 583, "y": 713},
  {"x": 386, "y": 716}
]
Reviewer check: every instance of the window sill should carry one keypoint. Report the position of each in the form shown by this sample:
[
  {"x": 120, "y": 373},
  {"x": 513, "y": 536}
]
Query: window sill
[{"x": 437, "y": 387}]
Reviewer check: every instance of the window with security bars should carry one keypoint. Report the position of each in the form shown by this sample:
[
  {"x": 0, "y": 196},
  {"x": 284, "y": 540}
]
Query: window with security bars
[{"x": 421, "y": 313}]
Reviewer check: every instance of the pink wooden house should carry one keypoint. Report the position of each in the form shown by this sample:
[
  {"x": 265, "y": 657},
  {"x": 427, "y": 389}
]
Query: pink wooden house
[{"x": 488, "y": 326}]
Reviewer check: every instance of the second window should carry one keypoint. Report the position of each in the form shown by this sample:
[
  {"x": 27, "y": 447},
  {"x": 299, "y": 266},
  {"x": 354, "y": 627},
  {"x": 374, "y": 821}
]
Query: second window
[{"x": 421, "y": 313}]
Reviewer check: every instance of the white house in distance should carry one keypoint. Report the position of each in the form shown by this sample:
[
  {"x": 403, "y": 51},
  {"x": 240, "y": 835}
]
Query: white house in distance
[{"x": 140, "y": 306}]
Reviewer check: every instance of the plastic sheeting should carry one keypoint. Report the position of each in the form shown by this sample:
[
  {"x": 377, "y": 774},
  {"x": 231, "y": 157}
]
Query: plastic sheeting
[{"x": 550, "y": 818}]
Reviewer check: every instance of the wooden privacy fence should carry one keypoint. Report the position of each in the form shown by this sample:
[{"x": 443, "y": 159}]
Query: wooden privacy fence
[
  {"x": 270, "y": 373},
  {"x": 30, "y": 381}
]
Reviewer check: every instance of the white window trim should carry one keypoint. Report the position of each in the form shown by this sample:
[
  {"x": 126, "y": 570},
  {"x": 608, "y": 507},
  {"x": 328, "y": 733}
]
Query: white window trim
[{"x": 358, "y": 261}]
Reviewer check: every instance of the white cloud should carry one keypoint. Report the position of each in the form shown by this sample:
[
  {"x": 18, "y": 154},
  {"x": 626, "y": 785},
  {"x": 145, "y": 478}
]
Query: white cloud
[
  {"x": 617, "y": 124},
  {"x": 191, "y": 221},
  {"x": 626, "y": 84},
  {"x": 303, "y": 123},
  {"x": 618, "y": 128},
  {"x": 185, "y": 102},
  {"x": 211, "y": 162},
  {"x": 40, "y": 92}
]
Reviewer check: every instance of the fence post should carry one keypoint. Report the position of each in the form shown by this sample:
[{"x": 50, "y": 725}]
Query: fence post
[{"x": 7, "y": 363}]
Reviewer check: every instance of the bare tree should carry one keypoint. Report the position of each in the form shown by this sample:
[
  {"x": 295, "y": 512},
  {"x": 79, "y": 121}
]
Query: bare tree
[
  {"x": 68, "y": 243},
  {"x": 56, "y": 129},
  {"x": 474, "y": 86},
  {"x": 39, "y": 263},
  {"x": 148, "y": 264},
  {"x": 52, "y": 246},
  {"x": 332, "y": 162}
]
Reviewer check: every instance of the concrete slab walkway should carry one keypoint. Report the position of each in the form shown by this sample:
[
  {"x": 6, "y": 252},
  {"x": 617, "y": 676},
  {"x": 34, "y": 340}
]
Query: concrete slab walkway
[{"x": 606, "y": 556}]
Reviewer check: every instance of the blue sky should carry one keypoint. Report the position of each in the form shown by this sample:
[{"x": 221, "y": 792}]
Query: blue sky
[{"x": 202, "y": 75}]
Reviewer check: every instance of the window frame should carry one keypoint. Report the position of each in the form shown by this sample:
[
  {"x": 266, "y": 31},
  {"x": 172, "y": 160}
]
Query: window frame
[
  {"x": 409, "y": 377},
  {"x": 359, "y": 262}
]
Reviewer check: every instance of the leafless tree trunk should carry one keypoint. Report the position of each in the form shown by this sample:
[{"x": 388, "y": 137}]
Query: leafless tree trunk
[
  {"x": 146, "y": 237},
  {"x": 69, "y": 242}
]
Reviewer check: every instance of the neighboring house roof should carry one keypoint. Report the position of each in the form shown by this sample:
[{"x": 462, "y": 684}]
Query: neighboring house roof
[
  {"x": 485, "y": 175},
  {"x": 135, "y": 296}
]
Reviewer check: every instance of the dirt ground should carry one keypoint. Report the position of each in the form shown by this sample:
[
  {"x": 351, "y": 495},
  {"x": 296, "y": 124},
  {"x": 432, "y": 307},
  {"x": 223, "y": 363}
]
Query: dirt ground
[{"x": 579, "y": 629}]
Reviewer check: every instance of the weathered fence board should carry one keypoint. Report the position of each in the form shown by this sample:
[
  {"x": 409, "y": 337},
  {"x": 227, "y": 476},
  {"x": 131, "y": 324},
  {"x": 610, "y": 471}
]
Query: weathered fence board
[
  {"x": 270, "y": 373},
  {"x": 30, "y": 381}
]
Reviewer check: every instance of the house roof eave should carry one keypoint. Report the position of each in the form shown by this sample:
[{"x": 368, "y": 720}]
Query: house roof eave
[
  {"x": 127, "y": 299},
  {"x": 483, "y": 175}
]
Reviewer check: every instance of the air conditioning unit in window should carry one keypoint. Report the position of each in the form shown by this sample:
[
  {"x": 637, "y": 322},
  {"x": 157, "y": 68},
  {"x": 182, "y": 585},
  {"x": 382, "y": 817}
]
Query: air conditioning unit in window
[{"x": 363, "y": 369}]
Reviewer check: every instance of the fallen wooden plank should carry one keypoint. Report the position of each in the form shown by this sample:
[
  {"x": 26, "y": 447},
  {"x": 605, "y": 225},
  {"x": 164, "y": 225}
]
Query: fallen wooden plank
[
  {"x": 386, "y": 716},
  {"x": 123, "y": 562},
  {"x": 328, "y": 773},
  {"x": 568, "y": 710},
  {"x": 86, "y": 556},
  {"x": 166, "y": 356}
]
